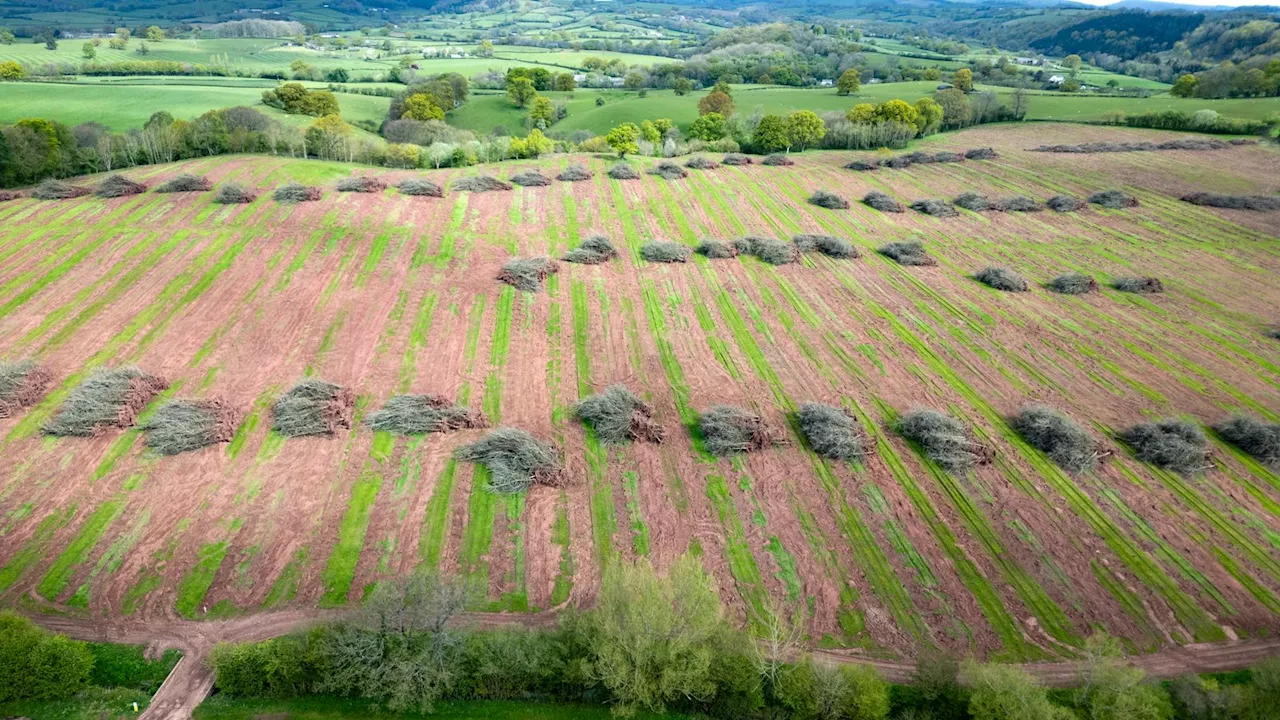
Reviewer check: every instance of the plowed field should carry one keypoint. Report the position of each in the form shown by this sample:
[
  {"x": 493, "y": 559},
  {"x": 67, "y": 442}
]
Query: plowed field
[{"x": 388, "y": 294}]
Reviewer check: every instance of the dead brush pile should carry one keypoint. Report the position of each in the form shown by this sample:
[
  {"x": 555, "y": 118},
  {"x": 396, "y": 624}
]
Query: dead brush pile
[
  {"x": 862, "y": 165},
  {"x": 702, "y": 163},
  {"x": 114, "y": 186},
  {"x": 575, "y": 173},
  {"x": 515, "y": 459},
  {"x": 233, "y": 194},
  {"x": 106, "y": 399},
  {"x": 22, "y": 384},
  {"x": 1073, "y": 283},
  {"x": 777, "y": 160},
  {"x": 736, "y": 159},
  {"x": 186, "y": 182},
  {"x": 1172, "y": 444},
  {"x": 900, "y": 162},
  {"x": 7, "y": 195},
  {"x": 980, "y": 154},
  {"x": 909, "y": 253},
  {"x": 1139, "y": 285},
  {"x": 480, "y": 183},
  {"x": 1018, "y": 203},
  {"x": 1260, "y": 203},
  {"x": 361, "y": 184},
  {"x": 58, "y": 190},
  {"x": 420, "y": 187},
  {"x": 618, "y": 416},
  {"x": 595, "y": 250},
  {"x": 1064, "y": 440},
  {"x": 1064, "y": 203},
  {"x": 665, "y": 251},
  {"x": 975, "y": 202},
  {"x": 1114, "y": 147},
  {"x": 528, "y": 274},
  {"x": 944, "y": 440},
  {"x": 716, "y": 250},
  {"x": 1001, "y": 279},
  {"x": 828, "y": 245},
  {"x": 423, "y": 415},
  {"x": 728, "y": 430},
  {"x": 1258, "y": 439},
  {"x": 530, "y": 178},
  {"x": 831, "y": 431},
  {"x": 313, "y": 407},
  {"x": 1113, "y": 199},
  {"x": 296, "y": 193},
  {"x": 879, "y": 201},
  {"x": 934, "y": 207},
  {"x": 948, "y": 157},
  {"x": 768, "y": 250},
  {"x": 828, "y": 200},
  {"x": 623, "y": 171},
  {"x": 668, "y": 171},
  {"x": 184, "y": 425}
]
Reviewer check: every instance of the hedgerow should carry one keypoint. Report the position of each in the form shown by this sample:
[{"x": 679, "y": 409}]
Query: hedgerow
[
  {"x": 883, "y": 203},
  {"x": 183, "y": 425},
  {"x": 1019, "y": 203},
  {"x": 1064, "y": 203},
  {"x": 1171, "y": 443},
  {"x": 768, "y": 250},
  {"x": 361, "y": 184},
  {"x": 828, "y": 245},
  {"x": 777, "y": 160},
  {"x": 37, "y": 665},
  {"x": 424, "y": 414},
  {"x": 828, "y": 200},
  {"x": 668, "y": 170},
  {"x": 1001, "y": 279},
  {"x": 702, "y": 163},
  {"x": 1113, "y": 199},
  {"x": 618, "y": 416},
  {"x": 728, "y": 430},
  {"x": 233, "y": 194},
  {"x": 1064, "y": 440},
  {"x": 831, "y": 431},
  {"x": 1256, "y": 438},
  {"x": 530, "y": 178},
  {"x": 480, "y": 183},
  {"x": 623, "y": 171},
  {"x": 736, "y": 159},
  {"x": 665, "y": 251},
  {"x": 114, "y": 186},
  {"x": 515, "y": 459},
  {"x": 1073, "y": 283},
  {"x": 716, "y": 250},
  {"x": 936, "y": 208},
  {"x": 907, "y": 253},
  {"x": 593, "y": 251},
  {"x": 296, "y": 192},
  {"x": 58, "y": 190},
  {"x": 944, "y": 440},
  {"x": 313, "y": 407},
  {"x": 421, "y": 187},
  {"x": 527, "y": 274},
  {"x": 575, "y": 173},
  {"x": 107, "y": 398},
  {"x": 22, "y": 384},
  {"x": 1260, "y": 203},
  {"x": 1140, "y": 285},
  {"x": 185, "y": 182}
]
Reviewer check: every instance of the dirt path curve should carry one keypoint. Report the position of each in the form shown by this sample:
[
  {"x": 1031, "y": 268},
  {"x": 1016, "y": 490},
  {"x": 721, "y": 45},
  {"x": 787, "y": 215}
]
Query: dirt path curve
[{"x": 192, "y": 680}]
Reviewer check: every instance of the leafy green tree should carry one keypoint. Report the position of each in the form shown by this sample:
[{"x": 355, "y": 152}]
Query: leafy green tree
[
  {"x": 564, "y": 82},
  {"x": 682, "y": 86},
  {"x": 1073, "y": 62},
  {"x": 899, "y": 111},
  {"x": 633, "y": 80},
  {"x": 930, "y": 115},
  {"x": 1111, "y": 690},
  {"x": 542, "y": 113},
  {"x": 861, "y": 113},
  {"x": 649, "y": 132},
  {"x": 849, "y": 83},
  {"x": 963, "y": 80},
  {"x": 1007, "y": 692},
  {"x": 623, "y": 139},
  {"x": 804, "y": 128},
  {"x": 1072, "y": 85},
  {"x": 6, "y": 36},
  {"x": 652, "y": 639},
  {"x": 38, "y": 665},
  {"x": 521, "y": 91},
  {"x": 772, "y": 134},
  {"x": 421, "y": 107},
  {"x": 142, "y": 48},
  {"x": 88, "y": 51},
  {"x": 663, "y": 126},
  {"x": 716, "y": 101},
  {"x": 337, "y": 75},
  {"x": 709, "y": 127},
  {"x": 155, "y": 34},
  {"x": 1185, "y": 86},
  {"x": 722, "y": 85},
  {"x": 10, "y": 70}
]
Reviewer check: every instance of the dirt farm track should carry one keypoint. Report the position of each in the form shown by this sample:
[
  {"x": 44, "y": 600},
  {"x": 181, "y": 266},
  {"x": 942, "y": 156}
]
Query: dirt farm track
[{"x": 387, "y": 294}]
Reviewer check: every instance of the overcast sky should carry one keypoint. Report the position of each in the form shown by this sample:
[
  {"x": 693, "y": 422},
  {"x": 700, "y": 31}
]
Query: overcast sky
[{"x": 1196, "y": 2}]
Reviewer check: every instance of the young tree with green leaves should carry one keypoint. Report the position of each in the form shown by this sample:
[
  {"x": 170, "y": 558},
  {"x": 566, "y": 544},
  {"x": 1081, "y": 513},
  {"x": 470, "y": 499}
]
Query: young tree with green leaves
[
  {"x": 623, "y": 139},
  {"x": 963, "y": 80},
  {"x": 88, "y": 51},
  {"x": 1007, "y": 692},
  {"x": 849, "y": 83},
  {"x": 709, "y": 127},
  {"x": 772, "y": 134},
  {"x": 521, "y": 91},
  {"x": 682, "y": 86},
  {"x": 1185, "y": 86},
  {"x": 542, "y": 113},
  {"x": 804, "y": 128},
  {"x": 716, "y": 101}
]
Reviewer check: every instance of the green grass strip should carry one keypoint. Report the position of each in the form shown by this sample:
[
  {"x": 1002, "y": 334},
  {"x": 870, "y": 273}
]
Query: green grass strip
[
  {"x": 34, "y": 548},
  {"x": 340, "y": 569},
  {"x": 194, "y": 587},
  {"x": 59, "y": 574}
]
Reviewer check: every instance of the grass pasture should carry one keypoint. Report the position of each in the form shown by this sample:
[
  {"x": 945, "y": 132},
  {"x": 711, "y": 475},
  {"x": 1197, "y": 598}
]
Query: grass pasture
[{"x": 388, "y": 294}]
